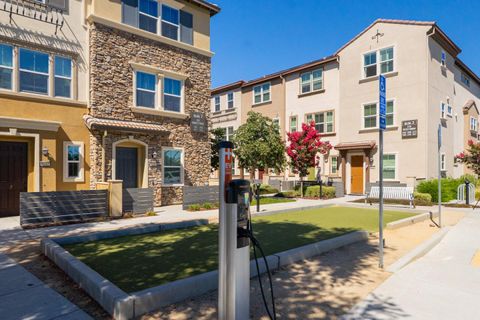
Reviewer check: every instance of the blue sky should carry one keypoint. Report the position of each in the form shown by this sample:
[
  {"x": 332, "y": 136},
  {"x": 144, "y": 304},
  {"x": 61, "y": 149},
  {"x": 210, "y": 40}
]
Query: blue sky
[{"x": 252, "y": 38}]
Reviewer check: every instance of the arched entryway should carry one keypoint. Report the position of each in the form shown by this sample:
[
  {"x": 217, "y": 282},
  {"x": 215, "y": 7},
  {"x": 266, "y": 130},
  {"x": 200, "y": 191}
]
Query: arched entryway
[{"x": 129, "y": 163}]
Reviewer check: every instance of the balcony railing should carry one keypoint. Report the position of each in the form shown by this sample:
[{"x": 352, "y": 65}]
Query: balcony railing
[{"x": 37, "y": 10}]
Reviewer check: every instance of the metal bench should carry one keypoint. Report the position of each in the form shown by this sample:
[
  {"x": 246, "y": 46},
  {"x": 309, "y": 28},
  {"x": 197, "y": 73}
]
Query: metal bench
[{"x": 396, "y": 193}]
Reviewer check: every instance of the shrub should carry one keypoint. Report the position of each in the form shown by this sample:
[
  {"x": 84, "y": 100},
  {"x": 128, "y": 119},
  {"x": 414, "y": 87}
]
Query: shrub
[
  {"x": 422, "y": 199},
  {"x": 449, "y": 187},
  {"x": 314, "y": 192},
  {"x": 288, "y": 194},
  {"x": 151, "y": 214},
  {"x": 267, "y": 189},
  {"x": 209, "y": 206},
  {"x": 194, "y": 207}
]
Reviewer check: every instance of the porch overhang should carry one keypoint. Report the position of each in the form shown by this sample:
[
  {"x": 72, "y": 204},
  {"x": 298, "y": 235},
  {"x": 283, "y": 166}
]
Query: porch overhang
[
  {"x": 29, "y": 124},
  {"x": 122, "y": 125},
  {"x": 357, "y": 145}
]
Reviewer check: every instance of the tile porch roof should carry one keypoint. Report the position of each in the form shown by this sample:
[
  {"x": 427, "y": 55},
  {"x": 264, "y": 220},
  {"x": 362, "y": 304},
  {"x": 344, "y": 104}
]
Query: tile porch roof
[{"x": 105, "y": 124}]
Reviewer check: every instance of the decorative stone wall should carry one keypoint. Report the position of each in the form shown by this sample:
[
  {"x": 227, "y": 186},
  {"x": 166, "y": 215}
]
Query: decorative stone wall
[{"x": 111, "y": 96}]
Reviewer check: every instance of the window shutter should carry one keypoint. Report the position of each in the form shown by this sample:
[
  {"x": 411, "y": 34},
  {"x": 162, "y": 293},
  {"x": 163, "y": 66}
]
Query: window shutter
[
  {"x": 59, "y": 4},
  {"x": 130, "y": 12},
  {"x": 186, "y": 27}
]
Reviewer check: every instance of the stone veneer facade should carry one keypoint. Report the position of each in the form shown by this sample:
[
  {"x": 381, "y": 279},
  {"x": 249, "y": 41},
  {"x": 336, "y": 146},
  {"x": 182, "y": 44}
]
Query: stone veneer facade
[{"x": 111, "y": 97}]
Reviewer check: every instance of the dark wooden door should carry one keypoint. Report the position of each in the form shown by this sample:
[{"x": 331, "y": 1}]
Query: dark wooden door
[
  {"x": 126, "y": 166},
  {"x": 13, "y": 176}
]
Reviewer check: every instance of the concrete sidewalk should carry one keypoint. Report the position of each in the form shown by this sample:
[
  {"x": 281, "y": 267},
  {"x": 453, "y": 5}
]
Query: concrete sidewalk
[
  {"x": 444, "y": 284},
  {"x": 23, "y": 296}
]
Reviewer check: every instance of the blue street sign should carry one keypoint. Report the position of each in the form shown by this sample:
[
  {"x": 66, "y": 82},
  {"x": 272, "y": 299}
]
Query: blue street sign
[
  {"x": 383, "y": 103},
  {"x": 383, "y": 123}
]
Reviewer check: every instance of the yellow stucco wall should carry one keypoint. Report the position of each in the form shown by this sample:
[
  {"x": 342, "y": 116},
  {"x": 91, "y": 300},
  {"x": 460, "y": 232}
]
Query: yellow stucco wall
[{"x": 72, "y": 128}]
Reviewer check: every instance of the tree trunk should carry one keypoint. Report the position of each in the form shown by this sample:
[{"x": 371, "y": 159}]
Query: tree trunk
[{"x": 301, "y": 186}]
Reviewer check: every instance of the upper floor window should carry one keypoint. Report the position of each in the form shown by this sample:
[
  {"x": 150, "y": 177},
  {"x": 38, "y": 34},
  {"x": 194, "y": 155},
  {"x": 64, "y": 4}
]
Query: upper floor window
[
  {"x": 170, "y": 22},
  {"x": 147, "y": 92},
  {"x": 6, "y": 66},
  {"x": 389, "y": 166},
  {"x": 473, "y": 124},
  {"x": 465, "y": 79},
  {"x": 261, "y": 93},
  {"x": 323, "y": 121},
  {"x": 230, "y": 100},
  {"x": 370, "y": 115},
  {"x": 311, "y": 81},
  {"x": 443, "y": 110},
  {"x": 63, "y": 77},
  {"x": 34, "y": 71},
  {"x": 217, "y": 103},
  {"x": 443, "y": 60},
  {"x": 229, "y": 132},
  {"x": 381, "y": 60},
  {"x": 172, "y": 94},
  {"x": 293, "y": 123}
]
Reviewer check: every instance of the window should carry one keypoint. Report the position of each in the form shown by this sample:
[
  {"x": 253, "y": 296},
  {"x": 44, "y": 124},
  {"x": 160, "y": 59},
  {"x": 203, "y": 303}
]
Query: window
[
  {"x": 442, "y": 111},
  {"x": 389, "y": 114},
  {"x": 389, "y": 167},
  {"x": 370, "y": 116},
  {"x": 323, "y": 121},
  {"x": 172, "y": 166},
  {"x": 186, "y": 27},
  {"x": 6, "y": 66},
  {"x": 217, "y": 103},
  {"x": 170, "y": 21},
  {"x": 443, "y": 165},
  {"x": 334, "y": 165},
  {"x": 172, "y": 95},
  {"x": 449, "y": 110},
  {"x": 230, "y": 100},
  {"x": 229, "y": 132},
  {"x": 148, "y": 15},
  {"x": 34, "y": 71},
  {"x": 63, "y": 77},
  {"x": 311, "y": 81},
  {"x": 473, "y": 124},
  {"x": 465, "y": 79},
  {"x": 261, "y": 93},
  {"x": 73, "y": 161},
  {"x": 382, "y": 60},
  {"x": 145, "y": 90},
  {"x": 443, "y": 59},
  {"x": 293, "y": 124}
]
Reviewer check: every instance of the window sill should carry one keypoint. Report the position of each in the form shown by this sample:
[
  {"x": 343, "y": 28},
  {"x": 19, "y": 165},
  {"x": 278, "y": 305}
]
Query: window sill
[
  {"x": 228, "y": 110},
  {"x": 373, "y": 78},
  {"x": 389, "y": 128},
  {"x": 301, "y": 95},
  {"x": 73, "y": 180},
  {"x": 161, "y": 113},
  {"x": 41, "y": 98},
  {"x": 261, "y": 103},
  {"x": 328, "y": 134}
]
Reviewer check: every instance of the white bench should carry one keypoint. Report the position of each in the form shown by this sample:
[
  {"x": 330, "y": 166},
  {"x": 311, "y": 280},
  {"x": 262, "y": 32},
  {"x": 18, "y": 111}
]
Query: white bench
[{"x": 396, "y": 193}]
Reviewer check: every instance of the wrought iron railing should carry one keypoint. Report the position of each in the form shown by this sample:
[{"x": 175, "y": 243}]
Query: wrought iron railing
[{"x": 37, "y": 10}]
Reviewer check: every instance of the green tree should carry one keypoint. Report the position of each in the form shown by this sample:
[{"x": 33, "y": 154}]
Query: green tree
[
  {"x": 471, "y": 157},
  {"x": 216, "y": 136},
  {"x": 258, "y": 144}
]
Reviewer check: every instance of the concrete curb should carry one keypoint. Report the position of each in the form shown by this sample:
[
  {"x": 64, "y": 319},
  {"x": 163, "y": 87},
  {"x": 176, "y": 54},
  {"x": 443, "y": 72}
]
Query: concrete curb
[
  {"x": 128, "y": 306},
  {"x": 411, "y": 220},
  {"x": 419, "y": 251}
]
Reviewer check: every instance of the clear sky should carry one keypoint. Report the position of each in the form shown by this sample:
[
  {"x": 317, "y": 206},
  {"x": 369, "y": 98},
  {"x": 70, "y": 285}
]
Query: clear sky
[{"x": 252, "y": 38}]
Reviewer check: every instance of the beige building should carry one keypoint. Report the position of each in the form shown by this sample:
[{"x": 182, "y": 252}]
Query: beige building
[{"x": 427, "y": 85}]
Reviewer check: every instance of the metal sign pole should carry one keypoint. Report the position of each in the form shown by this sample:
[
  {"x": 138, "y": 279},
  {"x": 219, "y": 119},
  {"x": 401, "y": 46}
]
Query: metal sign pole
[
  {"x": 382, "y": 125},
  {"x": 439, "y": 175}
]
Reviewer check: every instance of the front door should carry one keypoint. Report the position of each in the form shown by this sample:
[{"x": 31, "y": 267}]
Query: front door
[
  {"x": 356, "y": 175},
  {"x": 13, "y": 176},
  {"x": 126, "y": 166}
]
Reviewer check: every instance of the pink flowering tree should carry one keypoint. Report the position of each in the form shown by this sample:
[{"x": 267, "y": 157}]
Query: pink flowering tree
[
  {"x": 471, "y": 156},
  {"x": 304, "y": 148}
]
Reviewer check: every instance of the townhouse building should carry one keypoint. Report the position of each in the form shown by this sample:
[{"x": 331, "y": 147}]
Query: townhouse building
[
  {"x": 104, "y": 90},
  {"x": 427, "y": 85}
]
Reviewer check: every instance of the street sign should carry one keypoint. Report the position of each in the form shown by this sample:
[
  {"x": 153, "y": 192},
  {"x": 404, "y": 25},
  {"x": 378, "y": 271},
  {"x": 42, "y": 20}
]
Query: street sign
[
  {"x": 383, "y": 103},
  {"x": 409, "y": 129},
  {"x": 198, "y": 122},
  {"x": 439, "y": 134}
]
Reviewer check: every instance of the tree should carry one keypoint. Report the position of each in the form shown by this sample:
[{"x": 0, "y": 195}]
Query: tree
[
  {"x": 303, "y": 149},
  {"x": 258, "y": 144},
  {"x": 217, "y": 135},
  {"x": 471, "y": 157}
]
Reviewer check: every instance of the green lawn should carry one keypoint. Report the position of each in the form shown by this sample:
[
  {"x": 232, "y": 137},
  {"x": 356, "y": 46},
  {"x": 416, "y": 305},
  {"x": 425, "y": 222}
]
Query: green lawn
[
  {"x": 270, "y": 200},
  {"x": 138, "y": 262}
]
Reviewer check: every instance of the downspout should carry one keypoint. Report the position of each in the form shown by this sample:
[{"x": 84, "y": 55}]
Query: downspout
[
  {"x": 104, "y": 136},
  {"x": 285, "y": 176}
]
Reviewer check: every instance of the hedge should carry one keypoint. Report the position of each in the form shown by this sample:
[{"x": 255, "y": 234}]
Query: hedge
[
  {"x": 267, "y": 189},
  {"x": 449, "y": 187}
]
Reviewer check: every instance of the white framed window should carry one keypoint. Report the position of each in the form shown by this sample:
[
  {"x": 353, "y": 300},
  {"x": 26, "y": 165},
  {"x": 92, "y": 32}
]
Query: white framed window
[
  {"x": 63, "y": 77},
  {"x": 293, "y": 123},
  {"x": 465, "y": 79},
  {"x": 172, "y": 95},
  {"x": 6, "y": 67},
  {"x": 172, "y": 169},
  {"x": 34, "y": 71},
  {"x": 379, "y": 61},
  {"x": 443, "y": 165},
  {"x": 216, "y": 102},
  {"x": 473, "y": 124},
  {"x": 229, "y": 133},
  {"x": 230, "y": 100},
  {"x": 261, "y": 93},
  {"x": 389, "y": 114},
  {"x": 390, "y": 166},
  {"x": 323, "y": 121},
  {"x": 73, "y": 159},
  {"x": 370, "y": 114},
  {"x": 311, "y": 81},
  {"x": 334, "y": 165},
  {"x": 443, "y": 110},
  {"x": 145, "y": 90},
  {"x": 148, "y": 15},
  {"x": 449, "y": 110},
  {"x": 170, "y": 22},
  {"x": 443, "y": 59}
]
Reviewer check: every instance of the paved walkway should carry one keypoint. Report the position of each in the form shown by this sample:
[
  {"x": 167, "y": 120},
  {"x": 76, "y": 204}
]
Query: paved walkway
[
  {"x": 23, "y": 296},
  {"x": 444, "y": 284}
]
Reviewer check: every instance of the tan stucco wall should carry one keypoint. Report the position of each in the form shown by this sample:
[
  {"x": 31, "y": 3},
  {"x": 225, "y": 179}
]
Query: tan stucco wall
[
  {"x": 71, "y": 129},
  {"x": 112, "y": 10}
]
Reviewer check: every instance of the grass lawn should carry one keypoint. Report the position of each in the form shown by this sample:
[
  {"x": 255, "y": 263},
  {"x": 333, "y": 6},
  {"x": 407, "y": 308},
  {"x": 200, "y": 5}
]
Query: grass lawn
[
  {"x": 138, "y": 262},
  {"x": 270, "y": 200}
]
